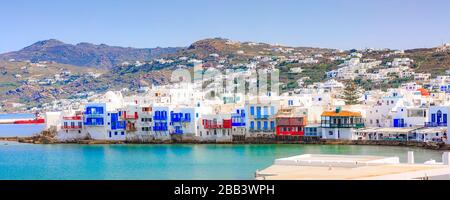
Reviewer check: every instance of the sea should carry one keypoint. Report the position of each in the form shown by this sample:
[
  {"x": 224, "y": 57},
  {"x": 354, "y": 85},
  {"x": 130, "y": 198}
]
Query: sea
[{"x": 20, "y": 161}]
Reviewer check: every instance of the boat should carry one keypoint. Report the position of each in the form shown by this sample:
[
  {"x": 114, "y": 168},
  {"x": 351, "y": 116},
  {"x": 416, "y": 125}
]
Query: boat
[{"x": 30, "y": 121}]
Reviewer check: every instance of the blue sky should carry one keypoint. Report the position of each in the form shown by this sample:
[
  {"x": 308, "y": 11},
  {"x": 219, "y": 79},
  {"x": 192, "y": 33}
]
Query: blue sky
[{"x": 340, "y": 24}]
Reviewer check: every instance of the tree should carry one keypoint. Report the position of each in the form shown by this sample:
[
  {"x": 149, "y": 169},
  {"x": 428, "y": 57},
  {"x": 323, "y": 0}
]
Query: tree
[{"x": 351, "y": 93}]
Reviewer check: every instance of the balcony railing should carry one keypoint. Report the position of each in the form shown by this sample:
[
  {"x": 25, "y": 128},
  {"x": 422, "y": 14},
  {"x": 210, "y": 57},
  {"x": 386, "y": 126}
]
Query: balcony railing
[
  {"x": 261, "y": 117},
  {"x": 435, "y": 124},
  {"x": 238, "y": 124},
  {"x": 72, "y": 118},
  {"x": 160, "y": 128},
  {"x": 129, "y": 116},
  {"x": 358, "y": 125},
  {"x": 163, "y": 118},
  {"x": 401, "y": 125},
  {"x": 71, "y": 127},
  {"x": 118, "y": 126},
  {"x": 213, "y": 126},
  {"x": 94, "y": 115},
  {"x": 261, "y": 130},
  {"x": 181, "y": 120},
  {"x": 177, "y": 132},
  {"x": 94, "y": 123}
]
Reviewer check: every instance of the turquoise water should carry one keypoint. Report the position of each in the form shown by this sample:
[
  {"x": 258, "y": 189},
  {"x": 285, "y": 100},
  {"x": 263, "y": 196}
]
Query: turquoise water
[
  {"x": 21, "y": 130},
  {"x": 29, "y": 161}
]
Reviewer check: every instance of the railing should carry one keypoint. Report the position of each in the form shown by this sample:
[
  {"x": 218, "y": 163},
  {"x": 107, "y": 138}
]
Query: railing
[
  {"x": 213, "y": 126},
  {"x": 94, "y": 124},
  {"x": 261, "y": 130},
  {"x": 358, "y": 125},
  {"x": 401, "y": 125},
  {"x": 94, "y": 115},
  {"x": 435, "y": 124},
  {"x": 238, "y": 124},
  {"x": 70, "y": 127},
  {"x": 72, "y": 118},
  {"x": 178, "y": 131},
  {"x": 160, "y": 128},
  {"x": 160, "y": 117},
  {"x": 261, "y": 117},
  {"x": 181, "y": 120},
  {"x": 129, "y": 116},
  {"x": 118, "y": 125}
]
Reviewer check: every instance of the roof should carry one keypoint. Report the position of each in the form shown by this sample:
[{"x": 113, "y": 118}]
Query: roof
[
  {"x": 424, "y": 92},
  {"x": 431, "y": 130},
  {"x": 388, "y": 130},
  {"x": 341, "y": 113}
]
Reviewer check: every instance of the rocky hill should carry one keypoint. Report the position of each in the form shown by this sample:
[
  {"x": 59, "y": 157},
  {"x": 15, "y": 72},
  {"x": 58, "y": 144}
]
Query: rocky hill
[
  {"x": 84, "y": 54},
  {"x": 44, "y": 76}
]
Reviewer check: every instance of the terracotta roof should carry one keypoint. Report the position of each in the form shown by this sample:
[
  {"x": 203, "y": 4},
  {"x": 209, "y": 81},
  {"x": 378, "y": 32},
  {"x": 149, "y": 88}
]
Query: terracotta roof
[
  {"x": 423, "y": 92},
  {"x": 342, "y": 113}
]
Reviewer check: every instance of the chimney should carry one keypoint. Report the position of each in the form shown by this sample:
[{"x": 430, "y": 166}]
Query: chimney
[
  {"x": 446, "y": 158},
  {"x": 410, "y": 157},
  {"x": 338, "y": 109}
]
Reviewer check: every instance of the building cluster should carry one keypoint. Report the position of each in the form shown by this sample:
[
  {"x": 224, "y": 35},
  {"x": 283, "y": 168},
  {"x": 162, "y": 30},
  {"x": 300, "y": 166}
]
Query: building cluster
[{"x": 409, "y": 113}]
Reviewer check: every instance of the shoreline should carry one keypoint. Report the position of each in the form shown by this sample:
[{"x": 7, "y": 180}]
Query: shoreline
[{"x": 422, "y": 145}]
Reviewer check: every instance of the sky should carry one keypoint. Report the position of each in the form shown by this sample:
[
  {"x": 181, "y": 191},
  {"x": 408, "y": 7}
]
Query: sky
[{"x": 340, "y": 24}]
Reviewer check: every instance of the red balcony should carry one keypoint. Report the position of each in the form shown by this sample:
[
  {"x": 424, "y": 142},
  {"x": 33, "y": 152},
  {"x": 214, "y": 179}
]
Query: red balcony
[
  {"x": 72, "y": 118},
  {"x": 130, "y": 116},
  {"x": 134, "y": 116},
  {"x": 209, "y": 124}
]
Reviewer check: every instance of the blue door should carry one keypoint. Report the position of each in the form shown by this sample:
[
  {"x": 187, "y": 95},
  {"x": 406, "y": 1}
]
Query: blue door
[{"x": 396, "y": 122}]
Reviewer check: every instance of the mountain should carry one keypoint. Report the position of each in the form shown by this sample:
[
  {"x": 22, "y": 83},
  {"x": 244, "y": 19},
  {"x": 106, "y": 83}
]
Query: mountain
[{"x": 85, "y": 54}]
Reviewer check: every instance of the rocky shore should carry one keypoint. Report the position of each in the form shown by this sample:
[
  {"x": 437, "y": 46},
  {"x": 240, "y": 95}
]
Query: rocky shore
[{"x": 47, "y": 137}]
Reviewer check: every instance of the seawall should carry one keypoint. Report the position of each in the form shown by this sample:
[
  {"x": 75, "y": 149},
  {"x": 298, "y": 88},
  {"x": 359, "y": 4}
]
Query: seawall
[{"x": 245, "y": 140}]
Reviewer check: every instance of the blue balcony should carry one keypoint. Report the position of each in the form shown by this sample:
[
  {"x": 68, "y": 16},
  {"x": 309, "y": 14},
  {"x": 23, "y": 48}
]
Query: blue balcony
[
  {"x": 161, "y": 118},
  {"x": 94, "y": 115},
  {"x": 94, "y": 110},
  {"x": 121, "y": 125},
  {"x": 262, "y": 117},
  {"x": 160, "y": 128},
  {"x": 401, "y": 125},
  {"x": 237, "y": 124},
  {"x": 435, "y": 124},
  {"x": 177, "y": 131},
  {"x": 94, "y": 123}
]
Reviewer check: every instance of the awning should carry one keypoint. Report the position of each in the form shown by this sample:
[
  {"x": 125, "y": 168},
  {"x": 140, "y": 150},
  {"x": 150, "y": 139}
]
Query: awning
[
  {"x": 389, "y": 130},
  {"x": 432, "y": 130}
]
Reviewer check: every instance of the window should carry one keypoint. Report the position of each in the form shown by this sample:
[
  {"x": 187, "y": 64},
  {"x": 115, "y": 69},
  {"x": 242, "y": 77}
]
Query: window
[
  {"x": 252, "y": 125},
  {"x": 122, "y": 133},
  {"x": 252, "y": 110}
]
